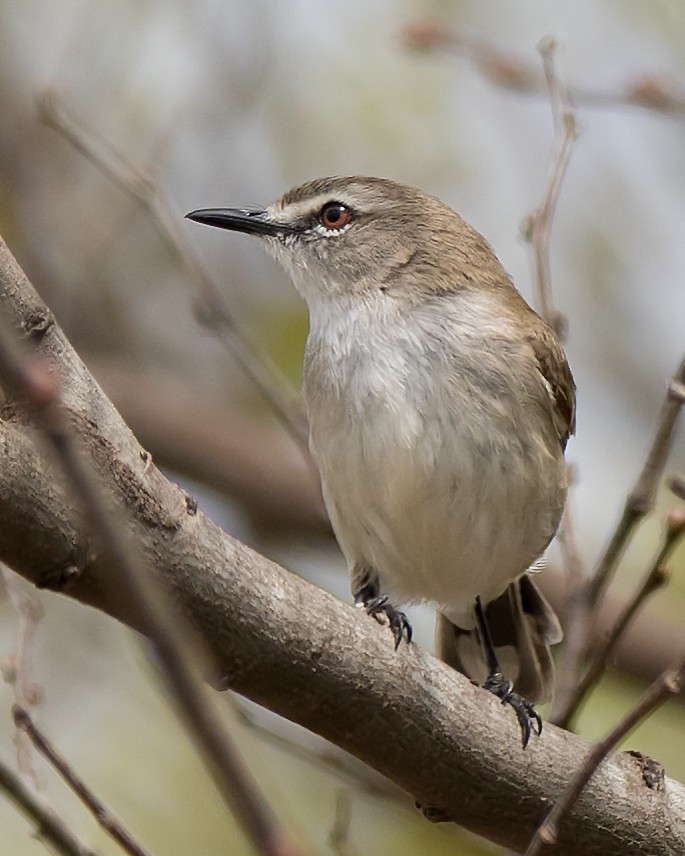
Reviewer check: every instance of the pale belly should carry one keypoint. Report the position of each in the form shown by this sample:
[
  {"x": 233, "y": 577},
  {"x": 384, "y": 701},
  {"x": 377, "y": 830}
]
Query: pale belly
[
  {"x": 433, "y": 431},
  {"x": 441, "y": 512}
]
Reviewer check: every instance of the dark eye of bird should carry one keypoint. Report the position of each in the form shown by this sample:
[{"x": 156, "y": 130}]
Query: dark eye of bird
[{"x": 334, "y": 215}]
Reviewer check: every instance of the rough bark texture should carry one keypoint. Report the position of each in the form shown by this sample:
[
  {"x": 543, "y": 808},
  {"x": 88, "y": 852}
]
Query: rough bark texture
[{"x": 297, "y": 650}]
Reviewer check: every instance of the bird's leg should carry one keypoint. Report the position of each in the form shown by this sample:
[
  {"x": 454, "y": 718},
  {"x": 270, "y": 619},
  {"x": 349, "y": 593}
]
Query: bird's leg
[
  {"x": 366, "y": 591},
  {"x": 529, "y": 719}
]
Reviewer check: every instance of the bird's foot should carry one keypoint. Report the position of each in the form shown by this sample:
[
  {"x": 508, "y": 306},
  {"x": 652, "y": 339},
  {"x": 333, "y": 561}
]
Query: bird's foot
[
  {"x": 529, "y": 719},
  {"x": 382, "y": 611}
]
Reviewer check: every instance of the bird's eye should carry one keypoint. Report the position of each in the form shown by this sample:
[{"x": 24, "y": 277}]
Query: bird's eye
[{"x": 334, "y": 215}]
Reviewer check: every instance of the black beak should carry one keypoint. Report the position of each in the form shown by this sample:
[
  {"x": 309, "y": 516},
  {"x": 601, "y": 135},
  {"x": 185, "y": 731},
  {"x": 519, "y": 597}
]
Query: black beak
[{"x": 253, "y": 221}]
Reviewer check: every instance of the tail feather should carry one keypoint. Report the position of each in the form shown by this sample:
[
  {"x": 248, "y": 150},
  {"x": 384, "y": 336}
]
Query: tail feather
[{"x": 523, "y": 627}]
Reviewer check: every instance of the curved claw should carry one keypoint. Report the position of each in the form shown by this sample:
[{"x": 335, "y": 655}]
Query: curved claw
[
  {"x": 380, "y": 609},
  {"x": 528, "y": 717}
]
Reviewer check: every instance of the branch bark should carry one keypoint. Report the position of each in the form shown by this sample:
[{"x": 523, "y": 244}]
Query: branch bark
[{"x": 297, "y": 650}]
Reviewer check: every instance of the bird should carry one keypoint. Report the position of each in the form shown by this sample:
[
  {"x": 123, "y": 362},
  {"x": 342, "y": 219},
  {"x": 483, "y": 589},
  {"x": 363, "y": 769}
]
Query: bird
[{"x": 439, "y": 406}]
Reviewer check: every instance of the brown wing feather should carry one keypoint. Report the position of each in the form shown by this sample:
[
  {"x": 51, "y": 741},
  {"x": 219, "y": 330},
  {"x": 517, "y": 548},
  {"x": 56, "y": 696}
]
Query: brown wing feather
[{"x": 555, "y": 370}]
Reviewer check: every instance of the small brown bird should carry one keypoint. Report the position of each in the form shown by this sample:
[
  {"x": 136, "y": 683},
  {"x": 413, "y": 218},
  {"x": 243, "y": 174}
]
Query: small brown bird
[{"x": 439, "y": 407}]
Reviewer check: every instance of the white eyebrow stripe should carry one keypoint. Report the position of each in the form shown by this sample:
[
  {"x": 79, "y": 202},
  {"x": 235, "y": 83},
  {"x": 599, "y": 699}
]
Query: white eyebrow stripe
[{"x": 306, "y": 207}]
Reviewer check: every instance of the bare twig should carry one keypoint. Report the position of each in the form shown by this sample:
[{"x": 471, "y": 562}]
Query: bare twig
[
  {"x": 32, "y": 380},
  {"x": 211, "y": 309},
  {"x": 640, "y": 500},
  {"x": 668, "y": 684},
  {"x": 639, "y": 503},
  {"x": 537, "y": 226},
  {"x": 650, "y": 92},
  {"x": 49, "y": 826},
  {"x": 105, "y": 819},
  {"x": 16, "y": 667},
  {"x": 657, "y": 577}
]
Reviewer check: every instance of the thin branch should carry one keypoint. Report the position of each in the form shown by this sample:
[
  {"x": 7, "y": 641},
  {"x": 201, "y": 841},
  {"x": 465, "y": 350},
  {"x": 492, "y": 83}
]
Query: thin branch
[
  {"x": 49, "y": 826},
  {"x": 649, "y": 91},
  {"x": 640, "y": 500},
  {"x": 211, "y": 309},
  {"x": 639, "y": 503},
  {"x": 667, "y": 685},
  {"x": 23, "y": 721},
  {"x": 538, "y": 225},
  {"x": 656, "y": 578},
  {"x": 33, "y": 380},
  {"x": 16, "y": 667}
]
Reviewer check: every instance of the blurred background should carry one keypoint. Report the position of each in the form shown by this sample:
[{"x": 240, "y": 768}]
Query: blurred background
[{"x": 230, "y": 104}]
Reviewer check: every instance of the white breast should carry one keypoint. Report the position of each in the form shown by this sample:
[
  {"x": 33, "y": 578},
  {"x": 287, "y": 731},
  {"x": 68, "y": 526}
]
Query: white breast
[{"x": 438, "y": 470}]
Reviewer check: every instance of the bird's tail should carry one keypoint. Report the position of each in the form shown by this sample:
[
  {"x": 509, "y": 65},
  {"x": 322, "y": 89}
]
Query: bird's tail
[{"x": 523, "y": 627}]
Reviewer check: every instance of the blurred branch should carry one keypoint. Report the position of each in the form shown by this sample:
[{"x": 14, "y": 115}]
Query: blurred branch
[
  {"x": 656, "y": 577},
  {"x": 292, "y": 647},
  {"x": 240, "y": 457},
  {"x": 667, "y": 685},
  {"x": 538, "y": 225},
  {"x": 16, "y": 667},
  {"x": 33, "y": 388},
  {"x": 210, "y": 308},
  {"x": 49, "y": 826},
  {"x": 639, "y": 503},
  {"x": 650, "y": 91},
  {"x": 105, "y": 819},
  {"x": 640, "y": 500}
]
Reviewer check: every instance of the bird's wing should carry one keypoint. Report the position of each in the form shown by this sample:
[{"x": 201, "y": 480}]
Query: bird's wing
[{"x": 555, "y": 370}]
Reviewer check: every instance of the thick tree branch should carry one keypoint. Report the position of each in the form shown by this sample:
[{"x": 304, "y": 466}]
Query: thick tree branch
[
  {"x": 297, "y": 650},
  {"x": 252, "y": 464}
]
